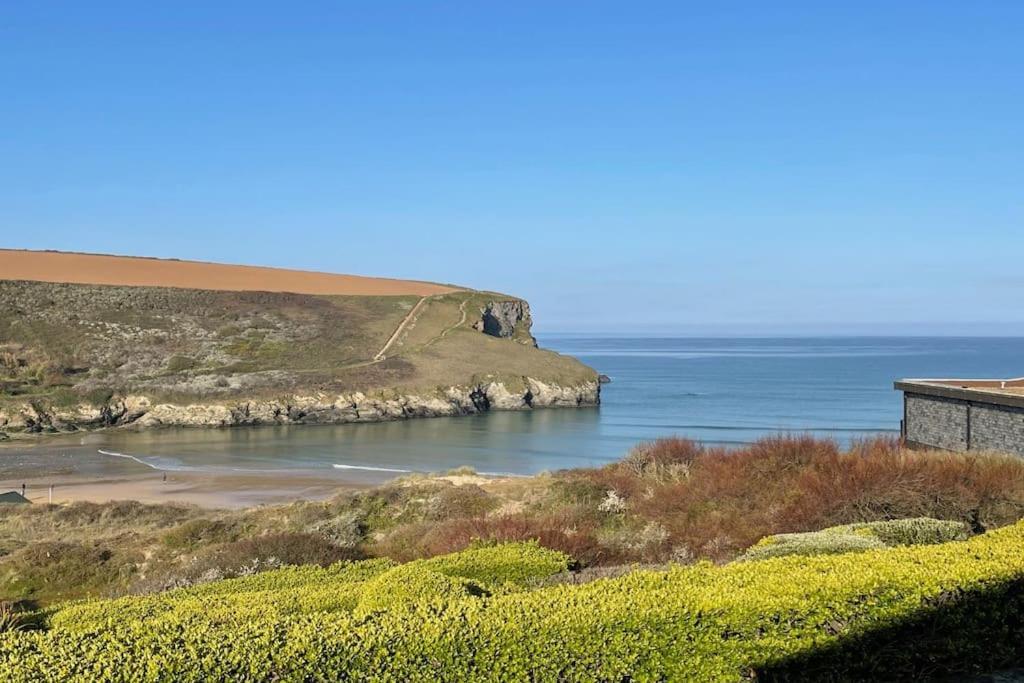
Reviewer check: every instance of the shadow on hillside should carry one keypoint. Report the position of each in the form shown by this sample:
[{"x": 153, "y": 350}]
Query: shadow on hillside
[{"x": 954, "y": 637}]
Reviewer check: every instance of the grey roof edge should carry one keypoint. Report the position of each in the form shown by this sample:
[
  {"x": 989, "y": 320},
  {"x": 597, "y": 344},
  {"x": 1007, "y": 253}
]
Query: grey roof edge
[{"x": 977, "y": 395}]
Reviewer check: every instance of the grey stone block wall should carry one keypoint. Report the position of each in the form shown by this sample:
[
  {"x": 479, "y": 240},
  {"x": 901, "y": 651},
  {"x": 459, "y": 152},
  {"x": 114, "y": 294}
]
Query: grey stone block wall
[
  {"x": 997, "y": 428},
  {"x": 961, "y": 425},
  {"x": 937, "y": 422}
]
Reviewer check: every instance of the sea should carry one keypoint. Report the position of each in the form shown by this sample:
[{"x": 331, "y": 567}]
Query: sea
[{"x": 724, "y": 391}]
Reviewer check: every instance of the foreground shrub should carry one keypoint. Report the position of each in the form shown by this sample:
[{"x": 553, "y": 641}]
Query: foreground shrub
[
  {"x": 811, "y": 543},
  {"x": 885, "y": 614},
  {"x": 856, "y": 537},
  {"x": 410, "y": 584},
  {"x": 917, "y": 531},
  {"x": 271, "y": 594},
  {"x": 516, "y": 563}
]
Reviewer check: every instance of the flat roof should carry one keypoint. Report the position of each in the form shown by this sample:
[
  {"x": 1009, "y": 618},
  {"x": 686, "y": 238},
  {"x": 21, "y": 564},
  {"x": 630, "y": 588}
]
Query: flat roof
[{"x": 1008, "y": 392}]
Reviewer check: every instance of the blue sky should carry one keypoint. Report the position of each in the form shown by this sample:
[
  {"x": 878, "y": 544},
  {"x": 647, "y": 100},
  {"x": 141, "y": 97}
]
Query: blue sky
[{"x": 691, "y": 168}]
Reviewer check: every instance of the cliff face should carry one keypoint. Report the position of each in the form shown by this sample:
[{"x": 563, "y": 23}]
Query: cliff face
[
  {"x": 142, "y": 412},
  {"x": 87, "y": 357},
  {"x": 509, "y": 319}
]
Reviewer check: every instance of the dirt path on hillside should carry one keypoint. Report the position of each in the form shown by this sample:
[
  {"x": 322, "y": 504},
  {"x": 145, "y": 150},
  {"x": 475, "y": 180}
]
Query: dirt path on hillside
[
  {"x": 398, "y": 330},
  {"x": 410, "y": 317},
  {"x": 462, "y": 321}
]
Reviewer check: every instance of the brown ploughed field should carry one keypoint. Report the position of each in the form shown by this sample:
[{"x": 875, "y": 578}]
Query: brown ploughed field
[{"x": 130, "y": 271}]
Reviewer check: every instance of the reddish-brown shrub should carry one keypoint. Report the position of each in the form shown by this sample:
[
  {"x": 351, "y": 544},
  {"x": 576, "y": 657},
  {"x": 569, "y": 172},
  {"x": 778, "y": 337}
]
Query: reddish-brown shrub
[
  {"x": 567, "y": 529},
  {"x": 730, "y": 499},
  {"x": 714, "y": 503}
]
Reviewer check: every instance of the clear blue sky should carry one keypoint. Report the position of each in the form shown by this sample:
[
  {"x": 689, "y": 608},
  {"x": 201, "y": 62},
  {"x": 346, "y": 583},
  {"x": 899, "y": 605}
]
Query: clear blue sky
[{"x": 675, "y": 167}]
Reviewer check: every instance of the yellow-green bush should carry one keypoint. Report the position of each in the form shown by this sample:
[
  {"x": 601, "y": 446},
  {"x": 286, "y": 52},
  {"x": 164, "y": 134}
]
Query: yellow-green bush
[
  {"x": 881, "y": 614},
  {"x": 517, "y": 563},
  {"x": 411, "y": 584},
  {"x": 283, "y": 591}
]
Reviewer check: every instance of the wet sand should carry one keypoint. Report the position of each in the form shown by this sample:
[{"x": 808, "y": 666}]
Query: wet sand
[{"x": 212, "y": 490}]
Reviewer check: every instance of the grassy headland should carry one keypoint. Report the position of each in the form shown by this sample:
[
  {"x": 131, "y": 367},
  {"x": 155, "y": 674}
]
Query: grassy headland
[{"x": 87, "y": 355}]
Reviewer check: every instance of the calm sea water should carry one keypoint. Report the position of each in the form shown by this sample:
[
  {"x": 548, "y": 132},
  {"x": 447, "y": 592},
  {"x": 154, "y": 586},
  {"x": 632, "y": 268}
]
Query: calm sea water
[{"x": 724, "y": 391}]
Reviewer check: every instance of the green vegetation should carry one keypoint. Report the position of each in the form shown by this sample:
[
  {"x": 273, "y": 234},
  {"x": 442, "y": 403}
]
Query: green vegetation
[
  {"x": 888, "y": 613},
  {"x": 854, "y": 537},
  {"x": 499, "y": 564},
  {"x": 178, "y": 363},
  {"x": 409, "y": 585},
  {"x": 669, "y": 501},
  {"x": 623, "y": 572}
]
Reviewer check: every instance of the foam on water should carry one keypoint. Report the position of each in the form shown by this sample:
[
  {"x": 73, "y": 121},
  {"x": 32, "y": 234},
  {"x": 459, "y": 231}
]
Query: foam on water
[
  {"x": 367, "y": 468},
  {"x": 150, "y": 461}
]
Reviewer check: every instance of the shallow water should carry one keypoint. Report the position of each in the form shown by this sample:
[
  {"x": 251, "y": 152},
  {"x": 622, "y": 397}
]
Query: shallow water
[{"x": 726, "y": 391}]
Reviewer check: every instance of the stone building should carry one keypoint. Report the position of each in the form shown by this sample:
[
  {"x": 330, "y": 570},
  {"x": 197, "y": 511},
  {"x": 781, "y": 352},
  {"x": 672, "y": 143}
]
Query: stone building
[{"x": 964, "y": 414}]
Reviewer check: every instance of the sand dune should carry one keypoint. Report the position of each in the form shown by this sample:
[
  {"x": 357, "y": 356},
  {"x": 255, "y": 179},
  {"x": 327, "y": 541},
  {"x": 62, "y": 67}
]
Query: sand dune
[{"x": 95, "y": 269}]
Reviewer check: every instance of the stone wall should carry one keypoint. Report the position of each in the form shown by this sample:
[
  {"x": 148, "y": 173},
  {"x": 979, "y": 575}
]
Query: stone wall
[
  {"x": 962, "y": 425},
  {"x": 935, "y": 421},
  {"x": 997, "y": 428}
]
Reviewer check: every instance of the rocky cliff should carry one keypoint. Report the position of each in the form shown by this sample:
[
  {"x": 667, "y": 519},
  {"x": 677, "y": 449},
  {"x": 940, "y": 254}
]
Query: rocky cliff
[
  {"x": 509, "y": 319},
  {"x": 141, "y": 412}
]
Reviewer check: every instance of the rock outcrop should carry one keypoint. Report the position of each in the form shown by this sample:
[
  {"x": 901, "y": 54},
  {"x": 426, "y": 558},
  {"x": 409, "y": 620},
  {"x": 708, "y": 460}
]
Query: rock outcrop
[
  {"x": 507, "y": 319},
  {"x": 140, "y": 411}
]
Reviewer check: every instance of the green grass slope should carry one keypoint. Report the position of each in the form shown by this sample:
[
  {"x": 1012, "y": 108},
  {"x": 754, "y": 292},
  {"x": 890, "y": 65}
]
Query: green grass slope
[{"x": 907, "y": 612}]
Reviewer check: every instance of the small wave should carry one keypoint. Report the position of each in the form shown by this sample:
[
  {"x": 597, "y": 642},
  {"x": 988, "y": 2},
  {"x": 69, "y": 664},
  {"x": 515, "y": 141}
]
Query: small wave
[
  {"x": 169, "y": 468},
  {"x": 401, "y": 471},
  {"x": 370, "y": 469},
  {"x": 129, "y": 457}
]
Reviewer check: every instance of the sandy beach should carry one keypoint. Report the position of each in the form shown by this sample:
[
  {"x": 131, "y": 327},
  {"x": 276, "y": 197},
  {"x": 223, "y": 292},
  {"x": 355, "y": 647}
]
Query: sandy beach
[{"x": 212, "y": 490}]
